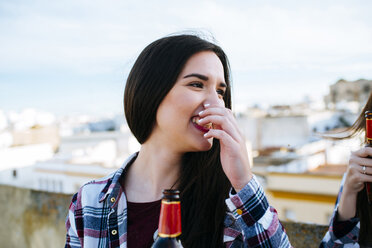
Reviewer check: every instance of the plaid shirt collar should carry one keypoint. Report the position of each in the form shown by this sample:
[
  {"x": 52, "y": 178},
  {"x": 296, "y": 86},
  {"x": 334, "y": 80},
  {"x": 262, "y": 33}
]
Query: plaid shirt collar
[{"x": 113, "y": 189}]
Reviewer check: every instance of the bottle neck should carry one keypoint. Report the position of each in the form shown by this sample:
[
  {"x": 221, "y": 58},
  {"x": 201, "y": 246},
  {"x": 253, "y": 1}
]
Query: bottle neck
[{"x": 170, "y": 219}]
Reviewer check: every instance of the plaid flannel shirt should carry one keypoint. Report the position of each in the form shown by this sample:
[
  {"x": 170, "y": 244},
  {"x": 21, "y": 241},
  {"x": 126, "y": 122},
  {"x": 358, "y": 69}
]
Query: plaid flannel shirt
[
  {"x": 98, "y": 216},
  {"x": 341, "y": 233}
]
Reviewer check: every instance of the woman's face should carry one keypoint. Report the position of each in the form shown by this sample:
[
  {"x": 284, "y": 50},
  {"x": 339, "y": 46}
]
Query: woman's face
[{"x": 200, "y": 82}]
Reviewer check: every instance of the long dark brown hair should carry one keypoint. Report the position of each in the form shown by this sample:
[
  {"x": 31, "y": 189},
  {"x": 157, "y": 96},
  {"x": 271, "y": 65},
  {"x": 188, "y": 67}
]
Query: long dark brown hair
[
  {"x": 202, "y": 183},
  {"x": 364, "y": 210}
]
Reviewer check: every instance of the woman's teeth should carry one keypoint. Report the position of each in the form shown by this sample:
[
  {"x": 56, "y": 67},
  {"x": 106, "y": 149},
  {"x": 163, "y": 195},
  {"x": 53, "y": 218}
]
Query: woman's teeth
[
  {"x": 209, "y": 125},
  {"x": 196, "y": 119}
]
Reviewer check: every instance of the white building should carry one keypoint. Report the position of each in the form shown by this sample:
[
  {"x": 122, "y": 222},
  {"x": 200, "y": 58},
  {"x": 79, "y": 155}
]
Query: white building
[
  {"x": 290, "y": 130},
  {"x": 350, "y": 95},
  {"x": 80, "y": 159}
]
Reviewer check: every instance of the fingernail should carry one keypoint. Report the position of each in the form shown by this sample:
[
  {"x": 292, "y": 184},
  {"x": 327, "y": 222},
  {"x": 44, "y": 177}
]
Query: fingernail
[
  {"x": 205, "y": 135},
  {"x": 200, "y": 120},
  {"x": 206, "y": 104},
  {"x": 201, "y": 112}
]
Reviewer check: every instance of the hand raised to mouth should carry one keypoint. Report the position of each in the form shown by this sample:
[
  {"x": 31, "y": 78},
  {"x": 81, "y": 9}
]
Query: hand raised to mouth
[{"x": 234, "y": 154}]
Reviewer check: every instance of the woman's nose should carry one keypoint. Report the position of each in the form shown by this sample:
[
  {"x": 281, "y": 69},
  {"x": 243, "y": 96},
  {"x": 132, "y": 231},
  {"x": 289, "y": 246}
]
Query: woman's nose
[{"x": 214, "y": 98}]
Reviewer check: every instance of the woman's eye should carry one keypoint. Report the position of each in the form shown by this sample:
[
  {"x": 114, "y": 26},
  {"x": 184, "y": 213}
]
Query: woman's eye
[
  {"x": 196, "y": 84},
  {"x": 221, "y": 92}
]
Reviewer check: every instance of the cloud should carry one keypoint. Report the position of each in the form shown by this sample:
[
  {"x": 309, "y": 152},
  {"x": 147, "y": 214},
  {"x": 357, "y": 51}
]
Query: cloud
[
  {"x": 77, "y": 31},
  {"x": 265, "y": 40}
]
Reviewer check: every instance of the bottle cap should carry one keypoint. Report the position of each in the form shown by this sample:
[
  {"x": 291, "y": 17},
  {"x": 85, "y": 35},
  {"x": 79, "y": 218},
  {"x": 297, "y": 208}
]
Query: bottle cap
[{"x": 171, "y": 194}]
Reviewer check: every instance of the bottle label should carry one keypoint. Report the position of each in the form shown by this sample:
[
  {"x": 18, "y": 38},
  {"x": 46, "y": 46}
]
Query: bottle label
[
  {"x": 170, "y": 219},
  {"x": 369, "y": 129}
]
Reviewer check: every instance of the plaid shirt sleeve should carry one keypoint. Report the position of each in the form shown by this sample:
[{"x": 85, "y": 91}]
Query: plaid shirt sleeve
[
  {"x": 341, "y": 233},
  {"x": 257, "y": 221},
  {"x": 72, "y": 239}
]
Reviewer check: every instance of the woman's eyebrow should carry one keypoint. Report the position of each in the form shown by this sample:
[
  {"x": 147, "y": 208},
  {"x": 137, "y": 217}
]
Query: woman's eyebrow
[
  {"x": 200, "y": 76},
  {"x": 223, "y": 85}
]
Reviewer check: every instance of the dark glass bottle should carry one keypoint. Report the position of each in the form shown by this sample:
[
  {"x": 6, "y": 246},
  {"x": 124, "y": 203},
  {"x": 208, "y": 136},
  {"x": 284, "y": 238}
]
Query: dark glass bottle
[
  {"x": 368, "y": 115},
  {"x": 169, "y": 230}
]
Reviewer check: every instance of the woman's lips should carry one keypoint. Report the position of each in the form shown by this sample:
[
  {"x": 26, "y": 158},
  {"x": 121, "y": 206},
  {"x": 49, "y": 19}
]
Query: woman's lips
[{"x": 204, "y": 128}]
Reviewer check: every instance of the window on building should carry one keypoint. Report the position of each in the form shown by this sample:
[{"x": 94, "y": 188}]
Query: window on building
[
  {"x": 350, "y": 96},
  {"x": 54, "y": 188},
  {"x": 60, "y": 186},
  {"x": 333, "y": 96},
  {"x": 14, "y": 173},
  {"x": 366, "y": 88},
  {"x": 40, "y": 183}
]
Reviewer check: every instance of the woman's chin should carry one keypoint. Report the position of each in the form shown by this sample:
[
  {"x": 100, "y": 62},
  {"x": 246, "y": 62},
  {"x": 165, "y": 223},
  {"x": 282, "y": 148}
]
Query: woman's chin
[{"x": 205, "y": 145}]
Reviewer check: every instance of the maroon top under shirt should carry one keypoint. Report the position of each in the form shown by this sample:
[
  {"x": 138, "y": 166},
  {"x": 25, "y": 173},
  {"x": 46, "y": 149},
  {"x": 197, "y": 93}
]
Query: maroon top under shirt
[{"x": 143, "y": 220}]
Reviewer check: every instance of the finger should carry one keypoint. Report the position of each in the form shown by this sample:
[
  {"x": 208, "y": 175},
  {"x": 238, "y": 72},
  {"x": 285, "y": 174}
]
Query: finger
[
  {"x": 358, "y": 169},
  {"x": 364, "y": 152},
  {"x": 361, "y": 160},
  {"x": 221, "y": 111},
  {"x": 222, "y": 136},
  {"x": 218, "y": 104},
  {"x": 366, "y": 178},
  {"x": 356, "y": 175},
  {"x": 364, "y": 170},
  {"x": 214, "y": 110},
  {"x": 222, "y": 122}
]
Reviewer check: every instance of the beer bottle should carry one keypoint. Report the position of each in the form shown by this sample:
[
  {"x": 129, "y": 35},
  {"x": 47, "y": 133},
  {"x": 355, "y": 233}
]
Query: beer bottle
[
  {"x": 169, "y": 230},
  {"x": 368, "y": 115}
]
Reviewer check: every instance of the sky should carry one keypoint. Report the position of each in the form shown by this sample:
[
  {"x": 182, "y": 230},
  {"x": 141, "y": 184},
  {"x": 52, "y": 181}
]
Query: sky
[{"x": 73, "y": 56}]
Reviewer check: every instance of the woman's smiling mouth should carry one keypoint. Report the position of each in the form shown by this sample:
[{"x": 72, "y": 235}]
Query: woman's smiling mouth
[{"x": 204, "y": 128}]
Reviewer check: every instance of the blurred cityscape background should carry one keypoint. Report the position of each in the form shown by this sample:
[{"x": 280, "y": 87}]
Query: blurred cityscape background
[
  {"x": 299, "y": 70},
  {"x": 300, "y": 170}
]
